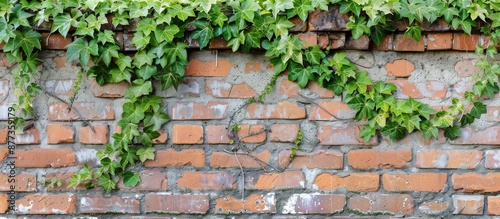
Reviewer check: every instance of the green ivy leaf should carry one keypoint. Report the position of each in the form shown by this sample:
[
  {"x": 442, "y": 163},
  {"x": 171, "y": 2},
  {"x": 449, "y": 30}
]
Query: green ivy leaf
[
  {"x": 183, "y": 12},
  {"x": 466, "y": 119},
  {"x": 146, "y": 25},
  {"x": 82, "y": 49},
  {"x": 146, "y": 138},
  {"x": 367, "y": 133},
  {"x": 140, "y": 41},
  {"x": 277, "y": 6},
  {"x": 428, "y": 130},
  {"x": 358, "y": 27},
  {"x": 106, "y": 183},
  {"x": 123, "y": 62},
  {"x": 167, "y": 33},
  {"x": 314, "y": 55},
  {"x": 131, "y": 179},
  {"x": 203, "y": 32},
  {"x": 452, "y": 132},
  {"x": 62, "y": 23},
  {"x": 132, "y": 112},
  {"x": 300, "y": 74},
  {"x": 146, "y": 154},
  {"x": 155, "y": 120},
  {"x": 27, "y": 40},
  {"x": 478, "y": 110},
  {"x": 402, "y": 106},
  {"x": 108, "y": 53},
  {"x": 139, "y": 88},
  {"x": 301, "y": 8},
  {"x": 147, "y": 71},
  {"x": 394, "y": 131},
  {"x": 360, "y": 84},
  {"x": 384, "y": 88},
  {"x": 117, "y": 75}
]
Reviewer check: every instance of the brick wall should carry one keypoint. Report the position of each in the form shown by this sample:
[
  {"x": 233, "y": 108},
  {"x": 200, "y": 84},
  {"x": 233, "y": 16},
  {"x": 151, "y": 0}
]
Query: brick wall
[{"x": 335, "y": 173}]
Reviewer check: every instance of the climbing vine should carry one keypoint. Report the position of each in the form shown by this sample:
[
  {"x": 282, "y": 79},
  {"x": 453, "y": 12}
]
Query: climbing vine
[{"x": 162, "y": 26}]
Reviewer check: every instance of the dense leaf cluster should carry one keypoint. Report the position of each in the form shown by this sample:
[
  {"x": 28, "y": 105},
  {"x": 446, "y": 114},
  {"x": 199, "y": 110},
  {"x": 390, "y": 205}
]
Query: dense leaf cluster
[{"x": 162, "y": 55}]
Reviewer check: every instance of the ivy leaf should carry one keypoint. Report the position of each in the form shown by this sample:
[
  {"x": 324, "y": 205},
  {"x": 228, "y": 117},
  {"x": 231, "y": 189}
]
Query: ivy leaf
[
  {"x": 443, "y": 119},
  {"x": 132, "y": 112},
  {"x": 428, "y": 130},
  {"x": 139, "y": 88},
  {"x": 384, "y": 88},
  {"x": 146, "y": 138},
  {"x": 108, "y": 53},
  {"x": 203, "y": 32},
  {"x": 106, "y": 183},
  {"x": 155, "y": 120},
  {"x": 248, "y": 9},
  {"x": 62, "y": 23},
  {"x": 27, "y": 40},
  {"x": 118, "y": 75},
  {"x": 182, "y": 12},
  {"x": 377, "y": 34},
  {"x": 466, "y": 119},
  {"x": 367, "y": 133},
  {"x": 293, "y": 47},
  {"x": 142, "y": 58},
  {"x": 314, "y": 55},
  {"x": 166, "y": 34},
  {"x": 82, "y": 49},
  {"x": 425, "y": 111},
  {"x": 131, "y": 179},
  {"x": 301, "y": 8},
  {"x": 277, "y": 6},
  {"x": 358, "y": 27},
  {"x": 452, "y": 132},
  {"x": 30, "y": 63},
  {"x": 176, "y": 52},
  {"x": 401, "y": 107},
  {"x": 123, "y": 62},
  {"x": 414, "y": 31},
  {"x": 478, "y": 109},
  {"x": 147, "y": 71},
  {"x": 394, "y": 131},
  {"x": 169, "y": 79},
  {"x": 300, "y": 74},
  {"x": 140, "y": 41},
  {"x": 146, "y": 154},
  {"x": 146, "y": 25}
]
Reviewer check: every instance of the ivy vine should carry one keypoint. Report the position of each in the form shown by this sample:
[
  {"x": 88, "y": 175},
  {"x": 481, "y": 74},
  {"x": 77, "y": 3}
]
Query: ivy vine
[{"x": 162, "y": 26}]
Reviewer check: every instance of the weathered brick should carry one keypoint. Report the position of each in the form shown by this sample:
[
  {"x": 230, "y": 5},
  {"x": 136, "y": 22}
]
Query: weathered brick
[
  {"x": 299, "y": 24},
  {"x": 353, "y": 182},
  {"x": 327, "y": 20},
  {"x": 408, "y": 44},
  {"x": 493, "y": 205},
  {"x": 98, "y": 204},
  {"x": 308, "y": 39},
  {"x": 187, "y": 134},
  {"x": 162, "y": 139},
  {"x": 335, "y": 111},
  {"x": 362, "y": 43},
  {"x": 4, "y": 62},
  {"x": 217, "y": 134},
  {"x": 46, "y": 204},
  {"x": 206, "y": 181},
  {"x": 288, "y": 89},
  {"x": 65, "y": 177},
  {"x": 468, "y": 204},
  {"x": 253, "y": 204},
  {"x": 382, "y": 203},
  {"x": 3, "y": 135},
  {"x": 171, "y": 157},
  {"x": 29, "y": 136},
  {"x": 323, "y": 40},
  {"x": 223, "y": 89},
  {"x": 165, "y": 203},
  {"x": 91, "y": 111},
  {"x": 439, "y": 41},
  {"x": 466, "y": 42},
  {"x": 60, "y": 62},
  {"x": 493, "y": 113},
  {"x": 60, "y": 88},
  {"x": 439, "y": 25},
  {"x": 150, "y": 180},
  {"x": 24, "y": 182},
  {"x": 488, "y": 136},
  {"x": 433, "y": 207},
  {"x": 386, "y": 44},
  {"x": 448, "y": 159},
  {"x": 421, "y": 182},
  {"x": 198, "y": 111},
  {"x": 45, "y": 157},
  {"x": 4, "y": 204},
  {"x": 399, "y": 68},
  {"x": 253, "y": 66},
  {"x": 4, "y": 88},
  {"x": 276, "y": 181},
  {"x": 55, "y": 41},
  {"x": 473, "y": 182},
  {"x": 192, "y": 43},
  {"x": 189, "y": 88},
  {"x": 109, "y": 90},
  {"x": 320, "y": 91},
  {"x": 214, "y": 68},
  {"x": 284, "y": 132},
  {"x": 330, "y": 135},
  {"x": 375, "y": 159},
  {"x": 314, "y": 204},
  {"x": 466, "y": 68},
  {"x": 337, "y": 40},
  {"x": 280, "y": 110},
  {"x": 429, "y": 89},
  {"x": 218, "y": 43},
  {"x": 225, "y": 160},
  {"x": 252, "y": 133},
  {"x": 322, "y": 159},
  {"x": 492, "y": 160},
  {"x": 99, "y": 135},
  {"x": 57, "y": 134}
]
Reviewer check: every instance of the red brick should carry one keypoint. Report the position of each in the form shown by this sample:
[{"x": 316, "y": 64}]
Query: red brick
[
  {"x": 252, "y": 133},
  {"x": 170, "y": 157},
  {"x": 382, "y": 203},
  {"x": 214, "y": 68},
  {"x": 329, "y": 135},
  {"x": 320, "y": 91},
  {"x": 225, "y": 160},
  {"x": 492, "y": 159},
  {"x": 493, "y": 113},
  {"x": 399, "y": 68},
  {"x": 4, "y": 62},
  {"x": 4, "y": 204},
  {"x": 468, "y": 204},
  {"x": 488, "y": 136},
  {"x": 206, "y": 181},
  {"x": 150, "y": 180},
  {"x": 493, "y": 205},
  {"x": 466, "y": 42},
  {"x": 3, "y": 135},
  {"x": 421, "y": 182},
  {"x": 280, "y": 110},
  {"x": 308, "y": 39},
  {"x": 65, "y": 177},
  {"x": 253, "y": 204},
  {"x": 24, "y": 182},
  {"x": 288, "y": 89},
  {"x": 217, "y": 134},
  {"x": 192, "y": 43},
  {"x": 473, "y": 182},
  {"x": 162, "y": 139},
  {"x": 408, "y": 44},
  {"x": 46, "y": 204},
  {"x": 353, "y": 182},
  {"x": 323, "y": 40},
  {"x": 439, "y": 41},
  {"x": 97, "y": 136},
  {"x": 4, "y": 152},
  {"x": 44, "y": 157},
  {"x": 55, "y": 41},
  {"x": 127, "y": 42},
  {"x": 189, "y": 88},
  {"x": 109, "y": 90},
  {"x": 429, "y": 89},
  {"x": 374, "y": 159},
  {"x": 4, "y": 88},
  {"x": 314, "y": 204},
  {"x": 439, "y": 25},
  {"x": 164, "y": 203},
  {"x": 187, "y": 134},
  {"x": 466, "y": 68},
  {"x": 89, "y": 110},
  {"x": 448, "y": 159},
  {"x": 433, "y": 207},
  {"x": 284, "y": 132},
  {"x": 275, "y": 181},
  {"x": 336, "y": 111},
  {"x": 337, "y": 40},
  {"x": 218, "y": 43},
  {"x": 98, "y": 204},
  {"x": 362, "y": 43},
  {"x": 30, "y": 136},
  {"x": 60, "y": 62},
  {"x": 322, "y": 159},
  {"x": 223, "y": 89},
  {"x": 299, "y": 24},
  {"x": 57, "y": 134},
  {"x": 386, "y": 44},
  {"x": 253, "y": 66},
  {"x": 327, "y": 20},
  {"x": 198, "y": 111}
]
